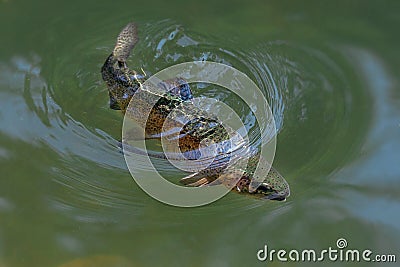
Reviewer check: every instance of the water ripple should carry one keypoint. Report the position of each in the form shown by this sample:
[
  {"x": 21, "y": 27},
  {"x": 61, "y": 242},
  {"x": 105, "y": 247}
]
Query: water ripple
[{"x": 65, "y": 105}]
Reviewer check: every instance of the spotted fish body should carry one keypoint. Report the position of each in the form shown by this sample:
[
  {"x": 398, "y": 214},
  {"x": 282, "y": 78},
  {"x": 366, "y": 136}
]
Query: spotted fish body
[{"x": 195, "y": 125}]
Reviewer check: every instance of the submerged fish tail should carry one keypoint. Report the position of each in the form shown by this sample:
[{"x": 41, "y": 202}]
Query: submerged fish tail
[{"x": 126, "y": 40}]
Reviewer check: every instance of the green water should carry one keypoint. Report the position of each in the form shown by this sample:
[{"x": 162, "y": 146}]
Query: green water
[{"x": 328, "y": 68}]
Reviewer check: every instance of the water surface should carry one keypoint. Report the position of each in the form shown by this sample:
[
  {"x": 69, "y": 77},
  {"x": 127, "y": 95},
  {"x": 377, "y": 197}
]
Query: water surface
[{"x": 328, "y": 69}]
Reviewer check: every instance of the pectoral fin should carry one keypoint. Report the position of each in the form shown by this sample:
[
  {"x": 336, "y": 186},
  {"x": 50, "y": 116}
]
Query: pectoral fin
[{"x": 228, "y": 178}]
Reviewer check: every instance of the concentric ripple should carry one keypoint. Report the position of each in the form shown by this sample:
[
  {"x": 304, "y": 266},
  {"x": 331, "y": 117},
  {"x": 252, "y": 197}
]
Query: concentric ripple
[{"x": 67, "y": 104}]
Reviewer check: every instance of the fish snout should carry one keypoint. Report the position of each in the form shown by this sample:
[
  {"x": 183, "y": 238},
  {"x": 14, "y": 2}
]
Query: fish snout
[{"x": 269, "y": 193}]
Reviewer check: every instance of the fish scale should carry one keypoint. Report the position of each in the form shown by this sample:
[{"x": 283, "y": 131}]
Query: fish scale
[{"x": 169, "y": 108}]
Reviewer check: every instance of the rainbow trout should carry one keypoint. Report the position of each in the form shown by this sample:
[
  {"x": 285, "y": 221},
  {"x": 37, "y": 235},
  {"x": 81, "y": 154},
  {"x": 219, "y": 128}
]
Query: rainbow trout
[{"x": 169, "y": 107}]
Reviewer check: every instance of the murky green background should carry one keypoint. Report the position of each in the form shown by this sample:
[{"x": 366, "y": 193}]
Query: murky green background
[{"x": 329, "y": 69}]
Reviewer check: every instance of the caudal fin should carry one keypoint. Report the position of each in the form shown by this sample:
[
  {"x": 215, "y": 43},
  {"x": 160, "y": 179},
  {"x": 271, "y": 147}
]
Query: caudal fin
[{"x": 125, "y": 42}]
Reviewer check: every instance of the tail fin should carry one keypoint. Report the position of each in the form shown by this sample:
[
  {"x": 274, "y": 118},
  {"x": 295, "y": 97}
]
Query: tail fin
[{"x": 125, "y": 42}]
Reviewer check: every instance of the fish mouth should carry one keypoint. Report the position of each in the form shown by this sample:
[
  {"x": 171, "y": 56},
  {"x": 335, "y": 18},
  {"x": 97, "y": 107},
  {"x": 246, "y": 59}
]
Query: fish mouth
[
  {"x": 276, "y": 197},
  {"x": 271, "y": 194}
]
